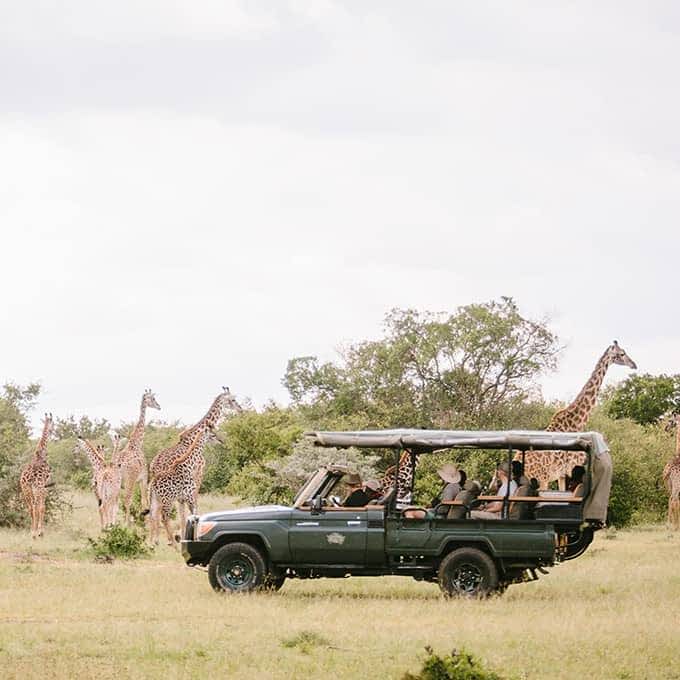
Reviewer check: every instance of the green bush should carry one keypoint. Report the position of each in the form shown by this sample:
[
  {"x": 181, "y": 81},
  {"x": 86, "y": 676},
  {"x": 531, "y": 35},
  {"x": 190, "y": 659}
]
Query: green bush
[
  {"x": 459, "y": 665},
  {"x": 638, "y": 454},
  {"x": 250, "y": 438},
  {"x": 277, "y": 481},
  {"x": 118, "y": 541}
]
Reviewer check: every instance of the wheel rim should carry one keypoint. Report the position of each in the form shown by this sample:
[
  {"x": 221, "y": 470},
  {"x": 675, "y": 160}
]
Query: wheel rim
[
  {"x": 235, "y": 572},
  {"x": 467, "y": 578}
]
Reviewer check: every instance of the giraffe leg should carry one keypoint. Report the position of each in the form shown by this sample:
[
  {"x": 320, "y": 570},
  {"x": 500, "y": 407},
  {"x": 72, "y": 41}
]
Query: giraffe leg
[
  {"x": 40, "y": 512},
  {"x": 182, "y": 515},
  {"x": 144, "y": 486},
  {"x": 129, "y": 490},
  {"x": 165, "y": 516}
]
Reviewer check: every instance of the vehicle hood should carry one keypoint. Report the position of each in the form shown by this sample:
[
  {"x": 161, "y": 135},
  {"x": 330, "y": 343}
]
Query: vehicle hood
[{"x": 252, "y": 512}]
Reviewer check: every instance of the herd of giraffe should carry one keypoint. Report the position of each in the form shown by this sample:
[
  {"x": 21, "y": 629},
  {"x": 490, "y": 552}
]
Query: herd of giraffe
[{"x": 175, "y": 474}]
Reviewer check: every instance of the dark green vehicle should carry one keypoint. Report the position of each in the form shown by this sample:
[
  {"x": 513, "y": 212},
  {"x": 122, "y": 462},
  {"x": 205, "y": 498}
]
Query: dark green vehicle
[{"x": 260, "y": 547}]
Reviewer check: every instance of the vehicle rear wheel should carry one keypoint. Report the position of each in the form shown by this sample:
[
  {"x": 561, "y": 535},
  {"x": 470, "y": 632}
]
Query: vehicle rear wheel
[
  {"x": 468, "y": 572},
  {"x": 236, "y": 568}
]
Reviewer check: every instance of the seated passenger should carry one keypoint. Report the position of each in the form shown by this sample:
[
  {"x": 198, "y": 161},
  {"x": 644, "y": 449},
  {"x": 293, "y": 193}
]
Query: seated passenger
[
  {"x": 518, "y": 473},
  {"x": 576, "y": 481},
  {"x": 470, "y": 491},
  {"x": 363, "y": 494},
  {"x": 493, "y": 509},
  {"x": 357, "y": 497},
  {"x": 453, "y": 479}
]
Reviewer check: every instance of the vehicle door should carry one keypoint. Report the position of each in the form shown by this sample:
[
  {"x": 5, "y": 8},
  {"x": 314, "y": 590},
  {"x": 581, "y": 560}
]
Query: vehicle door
[{"x": 330, "y": 536}]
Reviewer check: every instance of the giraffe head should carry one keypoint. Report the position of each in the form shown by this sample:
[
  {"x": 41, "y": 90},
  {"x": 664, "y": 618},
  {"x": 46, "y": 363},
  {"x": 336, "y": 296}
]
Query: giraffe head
[
  {"x": 149, "y": 400},
  {"x": 618, "y": 355},
  {"x": 227, "y": 402},
  {"x": 48, "y": 425}
]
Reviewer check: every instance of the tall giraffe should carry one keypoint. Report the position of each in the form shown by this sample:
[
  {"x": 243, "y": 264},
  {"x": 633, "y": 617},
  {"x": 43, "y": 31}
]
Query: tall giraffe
[
  {"x": 34, "y": 478},
  {"x": 176, "y": 482},
  {"x": 194, "y": 466},
  {"x": 131, "y": 457},
  {"x": 547, "y": 466},
  {"x": 106, "y": 481},
  {"x": 671, "y": 475}
]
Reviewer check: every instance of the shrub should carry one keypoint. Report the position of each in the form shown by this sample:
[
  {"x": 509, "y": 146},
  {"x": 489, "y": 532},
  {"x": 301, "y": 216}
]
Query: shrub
[
  {"x": 305, "y": 641},
  {"x": 455, "y": 666},
  {"x": 118, "y": 541},
  {"x": 277, "y": 481}
]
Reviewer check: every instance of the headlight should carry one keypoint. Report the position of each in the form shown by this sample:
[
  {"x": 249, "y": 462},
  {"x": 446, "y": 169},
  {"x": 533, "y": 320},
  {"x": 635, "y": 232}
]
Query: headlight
[{"x": 203, "y": 528}]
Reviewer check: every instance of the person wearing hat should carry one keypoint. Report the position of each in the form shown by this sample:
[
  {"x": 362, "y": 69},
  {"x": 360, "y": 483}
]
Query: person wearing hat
[
  {"x": 361, "y": 494},
  {"x": 493, "y": 509},
  {"x": 454, "y": 479}
]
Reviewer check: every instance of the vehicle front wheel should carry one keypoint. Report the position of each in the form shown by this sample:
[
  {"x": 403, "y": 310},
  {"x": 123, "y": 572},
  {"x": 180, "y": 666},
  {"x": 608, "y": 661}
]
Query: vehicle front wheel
[
  {"x": 236, "y": 568},
  {"x": 468, "y": 572}
]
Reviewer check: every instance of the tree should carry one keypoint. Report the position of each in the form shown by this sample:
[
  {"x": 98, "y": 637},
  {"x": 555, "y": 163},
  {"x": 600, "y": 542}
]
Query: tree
[
  {"x": 70, "y": 428},
  {"x": 462, "y": 369},
  {"x": 15, "y": 403},
  {"x": 644, "y": 398}
]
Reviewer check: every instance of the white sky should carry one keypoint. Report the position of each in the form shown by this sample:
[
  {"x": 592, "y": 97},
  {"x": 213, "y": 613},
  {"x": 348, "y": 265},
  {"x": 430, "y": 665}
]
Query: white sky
[{"x": 192, "y": 193}]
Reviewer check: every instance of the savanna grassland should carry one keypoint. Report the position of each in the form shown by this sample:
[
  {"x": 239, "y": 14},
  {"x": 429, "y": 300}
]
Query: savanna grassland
[{"x": 613, "y": 613}]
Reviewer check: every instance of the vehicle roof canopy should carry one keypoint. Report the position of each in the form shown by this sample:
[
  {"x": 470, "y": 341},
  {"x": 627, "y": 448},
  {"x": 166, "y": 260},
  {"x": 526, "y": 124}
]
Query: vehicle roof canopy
[{"x": 424, "y": 441}]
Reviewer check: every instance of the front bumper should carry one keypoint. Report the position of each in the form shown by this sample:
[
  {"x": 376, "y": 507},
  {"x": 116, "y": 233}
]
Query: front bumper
[{"x": 195, "y": 552}]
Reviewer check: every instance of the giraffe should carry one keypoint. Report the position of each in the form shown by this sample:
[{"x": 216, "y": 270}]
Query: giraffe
[
  {"x": 547, "y": 466},
  {"x": 35, "y": 477},
  {"x": 106, "y": 481},
  {"x": 131, "y": 457},
  {"x": 194, "y": 466},
  {"x": 175, "y": 482},
  {"x": 222, "y": 403},
  {"x": 671, "y": 475},
  {"x": 404, "y": 482}
]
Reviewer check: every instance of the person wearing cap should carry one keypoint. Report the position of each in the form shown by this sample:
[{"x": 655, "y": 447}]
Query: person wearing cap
[
  {"x": 493, "y": 509},
  {"x": 361, "y": 494}
]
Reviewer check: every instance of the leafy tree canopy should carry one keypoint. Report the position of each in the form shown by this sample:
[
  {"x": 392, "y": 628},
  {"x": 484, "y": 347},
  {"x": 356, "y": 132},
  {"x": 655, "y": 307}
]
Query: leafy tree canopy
[
  {"x": 644, "y": 398},
  {"x": 468, "y": 368}
]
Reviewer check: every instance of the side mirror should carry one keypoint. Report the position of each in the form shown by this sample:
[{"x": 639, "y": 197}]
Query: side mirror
[{"x": 317, "y": 505}]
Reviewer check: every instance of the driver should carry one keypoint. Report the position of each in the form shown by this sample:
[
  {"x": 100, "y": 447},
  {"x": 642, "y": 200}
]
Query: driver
[
  {"x": 357, "y": 497},
  {"x": 362, "y": 494}
]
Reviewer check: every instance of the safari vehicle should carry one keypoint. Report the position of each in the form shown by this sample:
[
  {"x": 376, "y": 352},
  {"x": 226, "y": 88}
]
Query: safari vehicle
[{"x": 260, "y": 547}]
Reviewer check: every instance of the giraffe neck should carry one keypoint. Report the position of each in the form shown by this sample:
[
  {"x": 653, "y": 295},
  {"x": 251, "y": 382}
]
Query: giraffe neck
[
  {"x": 40, "y": 454},
  {"x": 580, "y": 409},
  {"x": 137, "y": 436},
  {"x": 677, "y": 437},
  {"x": 96, "y": 462},
  {"x": 212, "y": 417}
]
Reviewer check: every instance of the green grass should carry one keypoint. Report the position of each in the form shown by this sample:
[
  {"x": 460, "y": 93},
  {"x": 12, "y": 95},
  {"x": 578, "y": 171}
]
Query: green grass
[{"x": 613, "y": 613}]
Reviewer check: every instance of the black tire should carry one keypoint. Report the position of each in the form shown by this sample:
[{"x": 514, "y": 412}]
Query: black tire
[
  {"x": 468, "y": 572},
  {"x": 236, "y": 568},
  {"x": 273, "y": 583}
]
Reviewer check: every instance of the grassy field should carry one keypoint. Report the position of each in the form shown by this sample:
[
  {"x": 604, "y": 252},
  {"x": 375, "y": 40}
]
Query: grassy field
[{"x": 613, "y": 613}]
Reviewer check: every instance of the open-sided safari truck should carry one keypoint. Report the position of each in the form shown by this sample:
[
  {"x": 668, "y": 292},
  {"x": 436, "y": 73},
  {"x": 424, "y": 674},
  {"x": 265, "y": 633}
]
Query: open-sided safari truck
[{"x": 259, "y": 547}]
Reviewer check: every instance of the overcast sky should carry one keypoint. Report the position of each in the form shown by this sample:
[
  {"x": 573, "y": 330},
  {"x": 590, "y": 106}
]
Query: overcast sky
[{"x": 192, "y": 193}]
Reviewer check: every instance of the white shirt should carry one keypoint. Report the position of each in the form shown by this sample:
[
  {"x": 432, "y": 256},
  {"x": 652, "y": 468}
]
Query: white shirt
[{"x": 503, "y": 488}]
